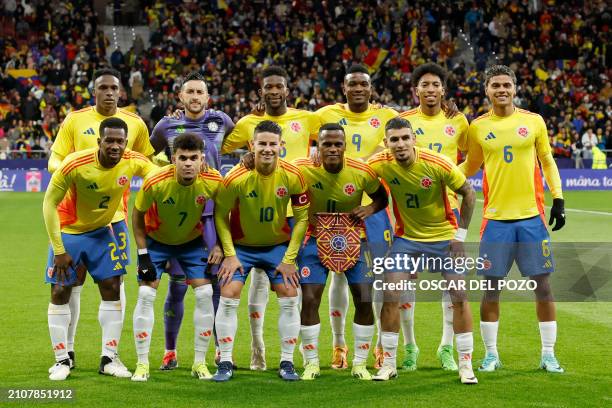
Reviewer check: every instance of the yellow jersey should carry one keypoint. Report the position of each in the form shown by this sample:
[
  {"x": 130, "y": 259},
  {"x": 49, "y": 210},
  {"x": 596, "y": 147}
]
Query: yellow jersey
[
  {"x": 299, "y": 128},
  {"x": 173, "y": 211},
  {"x": 337, "y": 192},
  {"x": 79, "y": 131},
  {"x": 92, "y": 193},
  {"x": 365, "y": 131},
  {"x": 257, "y": 205},
  {"x": 510, "y": 148},
  {"x": 443, "y": 135},
  {"x": 420, "y": 203}
]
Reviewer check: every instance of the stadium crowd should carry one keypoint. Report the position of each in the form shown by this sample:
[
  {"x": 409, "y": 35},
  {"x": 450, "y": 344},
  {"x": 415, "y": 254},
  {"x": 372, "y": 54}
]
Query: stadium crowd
[{"x": 559, "y": 53}]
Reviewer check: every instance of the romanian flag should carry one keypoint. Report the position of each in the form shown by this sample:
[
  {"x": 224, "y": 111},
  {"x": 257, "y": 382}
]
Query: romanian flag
[
  {"x": 25, "y": 75},
  {"x": 375, "y": 58},
  {"x": 410, "y": 42}
]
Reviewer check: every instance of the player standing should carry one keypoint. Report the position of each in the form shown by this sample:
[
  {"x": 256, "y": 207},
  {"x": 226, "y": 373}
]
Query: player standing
[
  {"x": 80, "y": 202},
  {"x": 337, "y": 185},
  {"x": 425, "y": 226},
  {"x": 78, "y": 132},
  {"x": 434, "y": 131},
  {"x": 364, "y": 124},
  {"x": 212, "y": 127},
  {"x": 299, "y": 128},
  {"x": 166, "y": 223},
  {"x": 257, "y": 235},
  {"x": 513, "y": 144}
]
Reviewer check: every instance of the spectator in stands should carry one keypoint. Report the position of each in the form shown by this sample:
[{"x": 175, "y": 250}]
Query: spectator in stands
[
  {"x": 576, "y": 147},
  {"x": 589, "y": 139},
  {"x": 559, "y": 50}
]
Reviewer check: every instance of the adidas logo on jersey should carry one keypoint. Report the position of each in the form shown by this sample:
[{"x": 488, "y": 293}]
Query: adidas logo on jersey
[
  {"x": 118, "y": 266},
  {"x": 89, "y": 131},
  {"x": 490, "y": 136},
  {"x": 419, "y": 131},
  {"x": 169, "y": 201},
  {"x": 343, "y": 122},
  {"x": 395, "y": 181},
  {"x": 318, "y": 185},
  {"x": 92, "y": 186},
  {"x": 252, "y": 194},
  {"x": 547, "y": 264}
]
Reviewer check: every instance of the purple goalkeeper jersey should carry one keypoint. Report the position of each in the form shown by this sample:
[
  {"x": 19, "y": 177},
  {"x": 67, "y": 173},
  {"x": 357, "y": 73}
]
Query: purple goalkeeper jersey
[{"x": 212, "y": 128}]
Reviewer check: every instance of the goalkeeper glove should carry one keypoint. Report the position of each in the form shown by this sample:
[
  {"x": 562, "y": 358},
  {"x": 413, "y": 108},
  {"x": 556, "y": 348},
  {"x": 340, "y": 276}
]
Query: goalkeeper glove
[
  {"x": 557, "y": 214},
  {"x": 146, "y": 269}
]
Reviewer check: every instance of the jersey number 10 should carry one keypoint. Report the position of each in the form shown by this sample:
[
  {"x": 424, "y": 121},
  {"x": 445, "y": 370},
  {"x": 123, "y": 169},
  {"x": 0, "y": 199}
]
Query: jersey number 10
[{"x": 266, "y": 214}]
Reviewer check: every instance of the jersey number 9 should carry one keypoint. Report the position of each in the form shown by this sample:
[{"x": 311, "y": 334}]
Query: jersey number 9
[{"x": 356, "y": 140}]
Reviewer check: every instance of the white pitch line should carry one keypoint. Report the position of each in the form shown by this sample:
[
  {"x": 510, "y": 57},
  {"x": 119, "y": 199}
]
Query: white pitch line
[{"x": 573, "y": 210}]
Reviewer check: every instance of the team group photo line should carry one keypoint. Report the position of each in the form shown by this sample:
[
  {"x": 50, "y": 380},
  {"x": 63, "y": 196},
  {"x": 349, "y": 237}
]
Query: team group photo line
[{"x": 358, "y": 191}]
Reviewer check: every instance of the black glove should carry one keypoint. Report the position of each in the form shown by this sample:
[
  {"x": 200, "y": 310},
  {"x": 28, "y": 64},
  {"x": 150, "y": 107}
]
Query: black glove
[
  {"x": 146, "y": 269},
  {"x": 557, "y": 214}
]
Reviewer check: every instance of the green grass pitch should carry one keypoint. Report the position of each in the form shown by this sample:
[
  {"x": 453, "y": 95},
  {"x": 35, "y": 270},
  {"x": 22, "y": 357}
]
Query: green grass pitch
[{"x": 585, "y": 330}]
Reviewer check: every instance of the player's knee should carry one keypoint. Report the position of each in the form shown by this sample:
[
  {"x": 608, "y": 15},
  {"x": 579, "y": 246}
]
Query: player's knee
[
  {"x": 60, "y": 295},
  {"x": 110, "y": 288},
  {"x": 543, "y": 291},
  {"x": 203, "y": 293},
  {"x": 458, "y": 296},
  {"x": 364, "y": 314},
  {"x": 310, "y": 299},
  {"x": 231, "y": 291}
]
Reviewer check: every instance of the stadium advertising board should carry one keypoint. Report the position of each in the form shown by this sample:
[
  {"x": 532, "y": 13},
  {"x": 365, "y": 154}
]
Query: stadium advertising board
[{"x": 572, "y": 179}]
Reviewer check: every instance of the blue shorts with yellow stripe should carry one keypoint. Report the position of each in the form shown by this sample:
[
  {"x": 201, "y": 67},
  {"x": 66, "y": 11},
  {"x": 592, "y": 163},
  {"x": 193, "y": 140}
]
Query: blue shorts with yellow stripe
[
  {"x": 97, "y": 250},
  {"x": 122, "y": 235},
  {"x": 525, "y": 241},
  {"x": 313, "y": 272},
  {"x": 379, "y": 233}
]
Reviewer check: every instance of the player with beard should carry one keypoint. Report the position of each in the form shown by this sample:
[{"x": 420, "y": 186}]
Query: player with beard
[
  {"x": 251, "y": 219},
  {"x": 426, "y": 227},
  {"x": 167, "y": 225},
  {"x": 299, "y": 128},
  {"x": 212, "y": 127}
]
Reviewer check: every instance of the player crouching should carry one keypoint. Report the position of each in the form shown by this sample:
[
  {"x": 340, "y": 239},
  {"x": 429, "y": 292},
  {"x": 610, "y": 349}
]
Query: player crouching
[
  {"x": 336, "y": 220},
  {"x": 80, "y": 234},
  {"x": 425, "y": 226},
  {"x": 166, "y": 224},
  {"x": 260, "y": 237}
]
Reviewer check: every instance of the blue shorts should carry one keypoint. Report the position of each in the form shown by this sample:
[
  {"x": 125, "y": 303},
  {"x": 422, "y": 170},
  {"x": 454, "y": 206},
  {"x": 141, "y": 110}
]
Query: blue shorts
[
  {"x": 417, "y": 256},
  {"x": 122, "y": 235},
  {"x": 97, "y": 250},
  {"x": 313, "y": 272},
  {"x": 191, "y": 257},
  {"x": 525, "y": 241},
  {"x": 379, "y": 232},
  {"x": 264, "y": 257}
]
